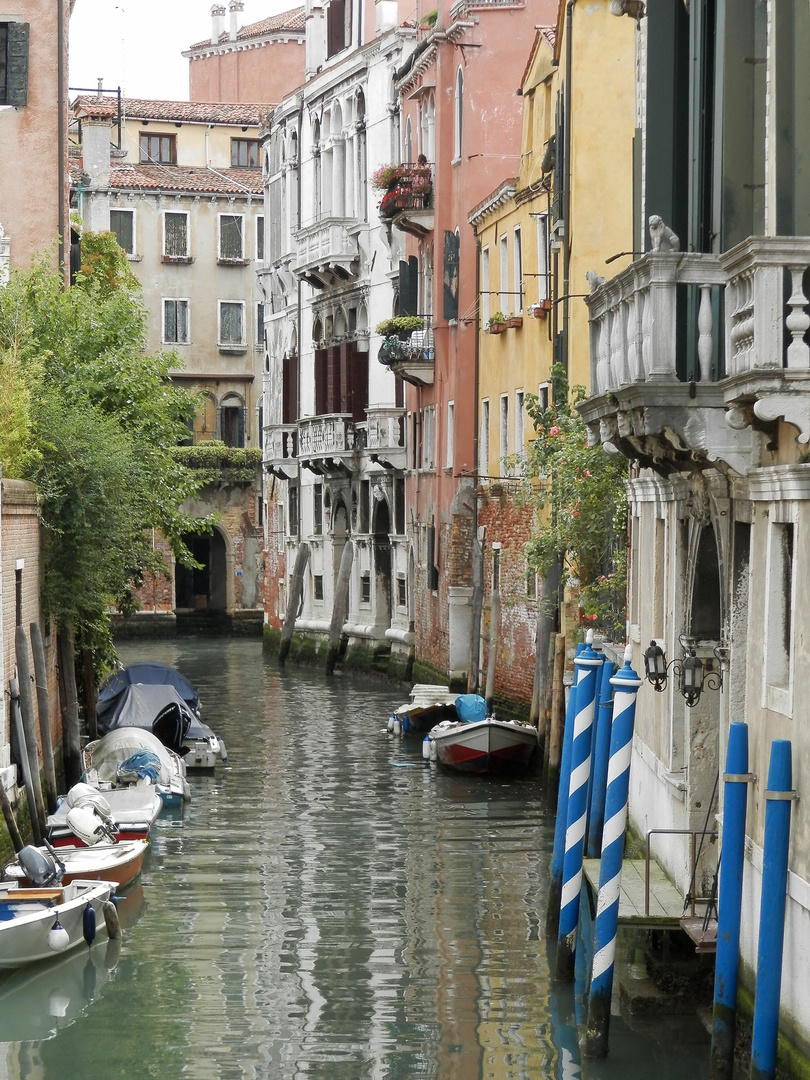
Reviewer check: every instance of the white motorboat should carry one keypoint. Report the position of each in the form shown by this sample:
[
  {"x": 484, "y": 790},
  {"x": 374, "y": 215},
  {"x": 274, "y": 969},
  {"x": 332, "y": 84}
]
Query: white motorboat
[
  {"x": 133, "y": 756},
  {"x": 129, "y": 810},
  {"x": 117, "y": 863},
  {"x": 484, "y": 746},
  {"x": 51, "y": 918}
]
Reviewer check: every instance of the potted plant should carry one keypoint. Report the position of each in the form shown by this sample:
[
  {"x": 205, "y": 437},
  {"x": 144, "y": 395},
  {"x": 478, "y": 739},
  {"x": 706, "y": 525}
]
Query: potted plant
[
  {"x": 497, "y": 323},
  {"x": 401, "y": 326},
  {"x": 515, "y": 321},
  {"x": 383, "y": 177}
]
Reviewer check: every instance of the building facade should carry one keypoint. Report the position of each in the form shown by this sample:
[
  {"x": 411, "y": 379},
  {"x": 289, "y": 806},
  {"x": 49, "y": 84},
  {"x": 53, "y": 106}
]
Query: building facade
[
  {"x": 700, "y": 375},
  {"x": 180, "y": 191},
  {"x": 334, "y": 446}
]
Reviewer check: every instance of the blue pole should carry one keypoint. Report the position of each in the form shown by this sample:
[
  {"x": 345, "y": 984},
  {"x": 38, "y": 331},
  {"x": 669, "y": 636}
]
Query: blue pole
[
  {"x": 626, "y": 683},
  {"x": 558, "y": 852},
  {"x": 587, "y": 666},
  {"x": 772, "y": 912},
  {"x": 601, "y": 744},
  {"x": 729, "y": 904}
]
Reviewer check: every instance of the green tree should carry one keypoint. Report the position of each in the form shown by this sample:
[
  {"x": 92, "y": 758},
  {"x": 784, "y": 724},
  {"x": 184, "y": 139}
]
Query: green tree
[
  {"x": 582, "y": 493},
  {"x": 96, "y": 420}
]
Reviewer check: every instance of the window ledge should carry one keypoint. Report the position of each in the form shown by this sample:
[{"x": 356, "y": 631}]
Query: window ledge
[
  {"x": 134, "y": 258},
  {"x": 177, "y": 259},
  {"x": 233, "y": 262},
  {"x": 177, "y": 344},
  {"x": 226, "y": 348}
]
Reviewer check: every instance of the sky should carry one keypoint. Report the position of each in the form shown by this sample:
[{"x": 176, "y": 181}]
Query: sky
[{"x": 137, "y": 44}]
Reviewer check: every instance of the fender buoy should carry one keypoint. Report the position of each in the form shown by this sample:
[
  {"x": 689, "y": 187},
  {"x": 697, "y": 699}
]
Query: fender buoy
[
  {"x": 58, "y": 937},
  {"x": 111, "y": 920},
  {"x": 89, "y": 924}
]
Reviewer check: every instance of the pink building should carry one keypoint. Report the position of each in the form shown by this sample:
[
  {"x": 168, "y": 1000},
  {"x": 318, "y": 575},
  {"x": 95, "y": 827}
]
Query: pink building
[
  {"x": 460, "y": 109},
  {"x": 260, "y": 62}
]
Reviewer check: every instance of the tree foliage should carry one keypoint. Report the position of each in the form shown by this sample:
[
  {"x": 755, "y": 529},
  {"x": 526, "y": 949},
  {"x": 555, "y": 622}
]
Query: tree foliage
[
  {"x": 93, "y": 422},
  {"x": 583, "y": 493}
]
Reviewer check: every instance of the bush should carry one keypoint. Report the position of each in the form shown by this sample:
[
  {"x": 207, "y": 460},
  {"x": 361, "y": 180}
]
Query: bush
[{"x": 400, "y": 324}]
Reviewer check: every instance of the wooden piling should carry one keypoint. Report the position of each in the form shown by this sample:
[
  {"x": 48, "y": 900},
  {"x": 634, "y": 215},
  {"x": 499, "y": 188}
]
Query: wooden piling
[
  {"x": 18, "y": 730},
  {"x": 10, "y": 820},
  {"x": 293, "y": 601},
  {"x": 44, "y": 710},
  {"x": 546, "y": 618},
  {"x": 72, "y": 740},
  {"x": 473, "y": 672},
  {"x": 494, "y": 629},
  {"x": 557, "y": 710},
  {"x": 340, "y": 607},
  {"x": 29, "y": 721}
]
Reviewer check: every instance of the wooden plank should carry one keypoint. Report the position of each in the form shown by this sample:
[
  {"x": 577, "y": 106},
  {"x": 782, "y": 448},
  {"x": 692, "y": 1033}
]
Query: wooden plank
[{"x": 665, "y": 906}]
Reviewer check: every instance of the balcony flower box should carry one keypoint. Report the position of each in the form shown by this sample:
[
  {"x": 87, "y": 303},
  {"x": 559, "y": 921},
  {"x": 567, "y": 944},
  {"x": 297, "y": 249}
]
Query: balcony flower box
[{"x": 515, "y": 321}]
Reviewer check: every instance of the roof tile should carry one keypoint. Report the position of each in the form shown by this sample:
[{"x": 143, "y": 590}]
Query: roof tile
[{"x": 184, "y": 178}]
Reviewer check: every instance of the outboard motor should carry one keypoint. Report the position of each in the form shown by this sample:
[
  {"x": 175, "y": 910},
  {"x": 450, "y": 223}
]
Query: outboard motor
[
  {"x": 40, "y": 869},
  {"x": 86, "y": 823}
]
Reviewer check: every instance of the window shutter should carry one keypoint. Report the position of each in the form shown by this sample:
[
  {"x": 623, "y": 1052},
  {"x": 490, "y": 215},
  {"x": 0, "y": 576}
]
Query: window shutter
[
  {"x": 17, "y": 64},
  {"x": 240, "y": 427},
  {"x": 409, "y": 286},
  {"x": 451, "y": 245},
  {"x": 289, "y": 406},
  {"x": 359, "y": 375},
  {"x": 320, "y": 381}
]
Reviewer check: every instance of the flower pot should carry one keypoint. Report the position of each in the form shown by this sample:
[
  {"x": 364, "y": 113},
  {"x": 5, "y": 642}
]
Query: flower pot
[
  {"x": 516, "y": 321},
  {"x": 497, "y": 328}
]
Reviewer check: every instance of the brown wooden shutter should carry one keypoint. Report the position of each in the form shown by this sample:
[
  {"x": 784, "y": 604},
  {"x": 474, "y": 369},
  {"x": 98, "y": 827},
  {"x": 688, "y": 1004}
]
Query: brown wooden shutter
[{"x": 17, "y": 64}]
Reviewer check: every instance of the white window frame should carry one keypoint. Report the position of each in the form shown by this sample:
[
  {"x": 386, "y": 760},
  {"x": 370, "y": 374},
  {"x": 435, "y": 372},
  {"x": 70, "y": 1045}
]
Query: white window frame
[
  {"x": 175, "y": 300},
  {"x": 485, "y": 305},
  {"x": 450, "y": 435},
  {"x": 187, "y": 216},
  {"x": 503, "y": 274},
  {"x": 126, "y": 210},
  {"x": 542, "y": 258},
  {"x": 517, "y": 259},
  {"x": 777, "y": 663},
  {"x": 520, "y": 424},
  {"x": 458, "y": 115},
  {"x": 230, "y": 258},
  {"x": 483, "y": 441},
  {"x": 260, "y": 234},
  {"x": 503, "y": 437},
  {"x": 230, "y": 344}
]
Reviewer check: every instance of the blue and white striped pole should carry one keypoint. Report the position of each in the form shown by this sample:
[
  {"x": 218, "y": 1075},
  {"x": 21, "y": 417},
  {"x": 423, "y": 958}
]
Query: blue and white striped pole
[
  {"x": 558, "y": 852},
  {"x": 601, "y": 753},
  {"x": 587, "y": 666},
  {"x": 626, "y": 684},
  {"x": 772, "y": 911},
  {"x": 729, "y": 905}
]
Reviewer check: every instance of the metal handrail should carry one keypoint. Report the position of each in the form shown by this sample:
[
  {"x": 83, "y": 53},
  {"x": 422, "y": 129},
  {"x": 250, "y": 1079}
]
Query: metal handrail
[{"x": 693, "y": 833}]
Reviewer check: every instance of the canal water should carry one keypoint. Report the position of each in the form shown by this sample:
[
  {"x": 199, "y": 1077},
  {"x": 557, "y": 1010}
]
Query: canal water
[{"x": 327, "y": 907}]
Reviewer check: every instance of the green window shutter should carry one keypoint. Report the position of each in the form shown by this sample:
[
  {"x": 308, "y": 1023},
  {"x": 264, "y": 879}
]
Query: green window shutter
[{"x": 17, "y": 64}]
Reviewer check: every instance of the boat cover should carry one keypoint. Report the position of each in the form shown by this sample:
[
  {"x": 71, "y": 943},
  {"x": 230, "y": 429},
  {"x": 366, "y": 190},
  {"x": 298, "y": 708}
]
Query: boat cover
[
  {"x": 141, "y": 704},
  {"x": 147, "y": 671},
  {"x": 471, "y": 708},
  {"x": 108, "y": 753}
]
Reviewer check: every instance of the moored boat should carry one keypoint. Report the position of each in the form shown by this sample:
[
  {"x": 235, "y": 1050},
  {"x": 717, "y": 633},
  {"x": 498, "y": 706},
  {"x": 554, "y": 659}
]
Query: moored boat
[
  {"x": 51, "y": 918},
  {"x": 129, "y": 810},
  {"x": 159, "y": 698},
  {"x": 484, "y": 746},
  {"x": 428, "y": 705},
  {"x": 117, "y": 863},
  {"x": 132, "y": 756}
]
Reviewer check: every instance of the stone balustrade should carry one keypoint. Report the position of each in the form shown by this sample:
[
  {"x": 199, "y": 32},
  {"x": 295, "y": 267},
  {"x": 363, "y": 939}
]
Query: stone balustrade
[
  {"x": 385, "y": 428},
  {"x": 324, "y": 436}
]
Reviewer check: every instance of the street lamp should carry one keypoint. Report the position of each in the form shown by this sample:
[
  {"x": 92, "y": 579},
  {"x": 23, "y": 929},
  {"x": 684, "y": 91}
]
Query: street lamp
[{"x": 693, "y": 677}]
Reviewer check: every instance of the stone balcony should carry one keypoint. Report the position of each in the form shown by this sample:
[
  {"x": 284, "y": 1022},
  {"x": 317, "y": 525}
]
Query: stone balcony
[
  {"x": 281, "y": 450},
  {"x": 695, "y": 358},
  {"x": 327, "y": 253},
  {"x": 327, "y": 444},
  {"x": 383, "y": 435},
  {"x": 411, "y": 356}
]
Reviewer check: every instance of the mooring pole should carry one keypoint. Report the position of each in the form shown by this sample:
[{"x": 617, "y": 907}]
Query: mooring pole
[
  {"x": 601, "y": 744},
  {"x": 558, "y": 852},
  {"x": 626, "y": 684},
  {"x": 587, "y": 666},
  {"x": 729, "y": 904},
  {"x": 772, "y": 911},
  {"x": 293, "y": 601}
]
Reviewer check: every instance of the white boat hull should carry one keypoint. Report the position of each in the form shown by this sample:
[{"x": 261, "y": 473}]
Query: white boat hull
[
  {"x": 25, "y": 923},
  {"x": 485, "y": 746}
]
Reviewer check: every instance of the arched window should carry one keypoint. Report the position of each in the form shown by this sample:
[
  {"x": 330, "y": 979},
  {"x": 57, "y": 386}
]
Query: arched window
[{"x": 459, "y": 114}]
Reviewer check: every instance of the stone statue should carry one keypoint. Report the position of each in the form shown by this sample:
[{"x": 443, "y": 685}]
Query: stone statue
[
  {"x": 594, "y": 280},
  {"x": 663, "y": 238}
]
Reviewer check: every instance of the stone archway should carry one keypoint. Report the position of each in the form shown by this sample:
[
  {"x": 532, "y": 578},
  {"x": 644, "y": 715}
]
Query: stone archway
[
  {"x": 207, "y": 587},
  {"x": 382, "y": 563}
]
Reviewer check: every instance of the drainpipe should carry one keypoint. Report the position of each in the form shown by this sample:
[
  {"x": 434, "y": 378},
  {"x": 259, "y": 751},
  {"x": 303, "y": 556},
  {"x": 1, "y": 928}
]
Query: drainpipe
[
  {"x": 61, "y": 148},
  {"x": 567, "y": 98}
]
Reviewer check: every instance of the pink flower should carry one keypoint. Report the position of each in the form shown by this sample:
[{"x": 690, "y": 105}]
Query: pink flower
[{"x": 554, "y": 430}]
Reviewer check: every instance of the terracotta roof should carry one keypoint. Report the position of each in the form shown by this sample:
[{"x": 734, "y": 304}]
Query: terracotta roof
[
  {"x": 203, "y": 112},
  {"x": 293, "y": 21},
  {"x": 186, "y": 178}
]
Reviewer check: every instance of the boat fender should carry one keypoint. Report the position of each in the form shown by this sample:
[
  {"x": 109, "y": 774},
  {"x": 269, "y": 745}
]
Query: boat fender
[
  {"x": 89, "y": 924},
  {"x": 390, "y": 723},
  {"x": 434, "y": 753},
  {"x": 397, "y": 726},
  {"x": 111, "y": 920},
  {"x": 186, "y": 790},
  {"x": 58, "y": 937},
  {"x": 426, "y": 747},
  {"x": 223, "y": 753},
  {"x": 406, "y": 727}
]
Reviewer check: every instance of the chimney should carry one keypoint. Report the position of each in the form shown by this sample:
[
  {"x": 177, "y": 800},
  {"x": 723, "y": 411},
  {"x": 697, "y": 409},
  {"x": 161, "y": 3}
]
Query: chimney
[
  {"x": 235, "y": 7},
  {"x": 217, "y": 23}
]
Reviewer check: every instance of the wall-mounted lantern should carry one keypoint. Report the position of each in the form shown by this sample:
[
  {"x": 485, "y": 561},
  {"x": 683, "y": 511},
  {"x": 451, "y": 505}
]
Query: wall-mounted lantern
[{"x": 693, "y": 676}]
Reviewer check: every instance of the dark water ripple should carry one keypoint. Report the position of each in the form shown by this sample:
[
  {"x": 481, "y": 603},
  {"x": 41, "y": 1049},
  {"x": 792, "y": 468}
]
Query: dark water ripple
[{"x": 327, "y": 908}]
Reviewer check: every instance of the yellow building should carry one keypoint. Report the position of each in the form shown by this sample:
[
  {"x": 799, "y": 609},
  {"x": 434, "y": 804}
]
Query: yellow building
[{"x": 544, "y": 238}]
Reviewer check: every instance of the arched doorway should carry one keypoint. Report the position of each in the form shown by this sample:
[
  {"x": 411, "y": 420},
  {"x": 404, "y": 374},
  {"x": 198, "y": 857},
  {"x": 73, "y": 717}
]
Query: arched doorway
[
  {"x": 382, "y": 563},
  {"x": 206, "y": 586}
]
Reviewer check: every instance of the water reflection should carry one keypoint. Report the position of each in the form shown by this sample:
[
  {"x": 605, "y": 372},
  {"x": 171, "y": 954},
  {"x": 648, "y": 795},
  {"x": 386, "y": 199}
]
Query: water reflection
[{"x": 329, "y": 907}]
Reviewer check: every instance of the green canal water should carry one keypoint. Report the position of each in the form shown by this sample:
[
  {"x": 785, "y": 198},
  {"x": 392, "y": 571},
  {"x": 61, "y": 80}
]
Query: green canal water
[{"x": 327, "y": 907}]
